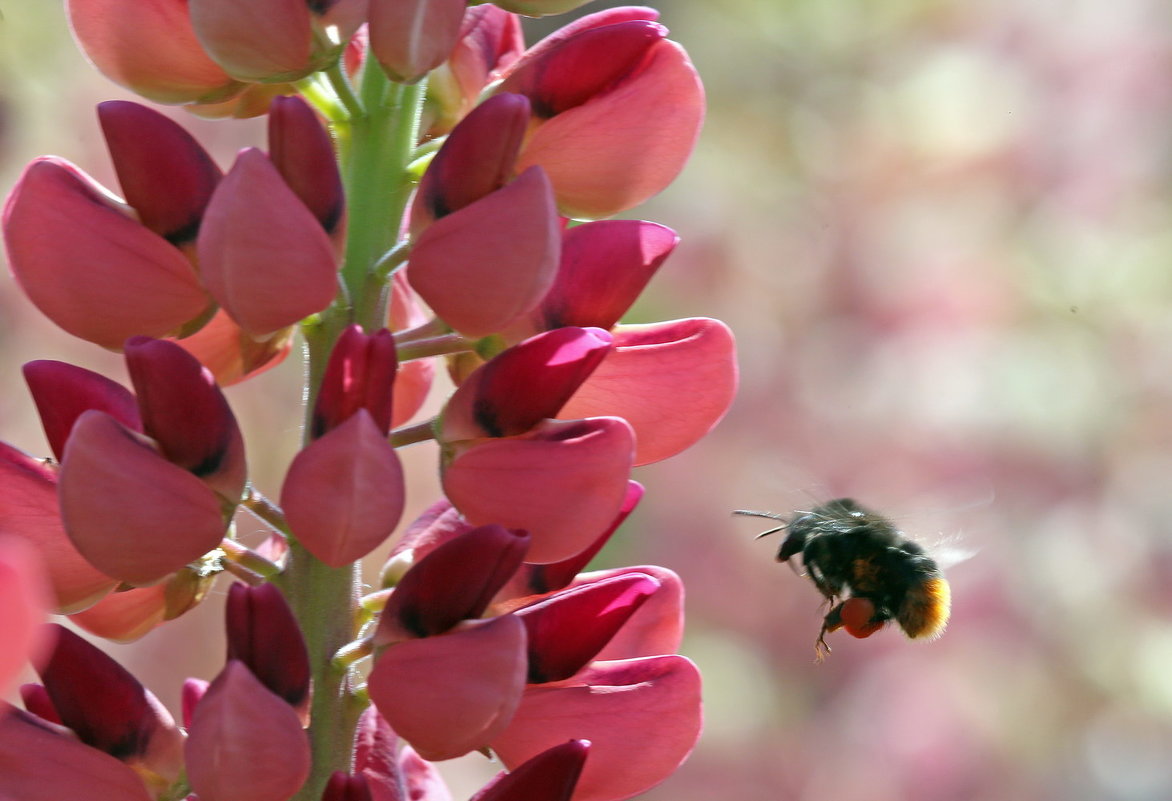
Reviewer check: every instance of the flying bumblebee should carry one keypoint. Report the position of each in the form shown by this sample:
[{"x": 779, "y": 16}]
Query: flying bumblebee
[{"x": 866, "y": 569}]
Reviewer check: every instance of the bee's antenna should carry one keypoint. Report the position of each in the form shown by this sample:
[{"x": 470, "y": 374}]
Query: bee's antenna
[{"x": 770, "y": 516}]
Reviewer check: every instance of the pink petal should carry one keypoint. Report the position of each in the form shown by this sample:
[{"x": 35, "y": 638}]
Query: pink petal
[
  {"x": 63, "y": 391},
  {"x": 672, "y": 382},
  {"x": 622, "y": 147},
  {"x": 422, "y": 781},
  {"x": 258, "y": 41},
  {"x": 42, "y": 762},
  {"x": 479, "y": 296},
  {"x": 28, "y": 510},
  {"x": 564, "y": 482},
  {"x": 550, "y": 776},
  {"x": 453, "y": 582},
  {"x": 656, "y": 627},
  {"x": 125, "y": 616},
  {"x": 524, "y": 384},
  {"x": 410, "y": 38},
  {"x": 245, "y": 742},
  {"x": 131, "y": 513},
  {"x": 393, "y": 771},
  {"x": 88, "y": 265},
  {"x": 233, "y": 355},
  {"x": 302, "y": 151},
  {"x": 266, "y": 638},
  {"x": 599, "y": 19},
  {"x": 454, "y": 693},
  {"x": 360, "y": 374},
  {"x": 187, "y": 414},
  {"x": 24, "y": 602},
  {"x": 343, "y": 494},
  {"x": 649, "y": 707},
  {"x": 165, "y": 175},
  {"x": 110, "y": 710},
  {"x": 264, "y": 256},
  {"x": 157, "y": 57},
  {"x": 193, "y": 691}
]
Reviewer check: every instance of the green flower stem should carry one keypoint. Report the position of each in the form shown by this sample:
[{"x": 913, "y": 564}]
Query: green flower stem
[
  {"x": 238, "y": 556},
  {"x": 435, "y": 346},
  {"x": 375, "y": 146},
  {"x": 409, "y": 435},
  {"x": 265, "y": 509}
]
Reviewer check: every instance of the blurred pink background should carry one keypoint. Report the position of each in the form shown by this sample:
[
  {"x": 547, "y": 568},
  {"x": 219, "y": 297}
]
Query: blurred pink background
[{"x": 942, "y": 232}]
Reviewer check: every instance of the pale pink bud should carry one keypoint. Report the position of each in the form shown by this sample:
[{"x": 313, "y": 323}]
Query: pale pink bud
[
  {"x": 245, "y": 742},
  {"x": 551, "y": 775},
  {"x": 343, "y": 494},
  {"x": 563, "y": 481},
  {"x": 157, "y": 56},
  {"x": 479, "y": 296},
  {"x": 43, "y": 762},
  {"x": 88, "y": 265},
  {"x": 672, "y": 381},
  {"x": 264, "y": 256},
  {"x": 269, "y": 41},
  {"x": 454, "y": 693},
  {"x": 165, "y": 175},
  {"x": 129, "y": 511},
  {"x": 613, "y": 705},
  {"x": 24, "y": 602},
  {"x": 29, "y": 510},
  {"x": 410, "y": 38},
  {"x": 232, "y": 354}
]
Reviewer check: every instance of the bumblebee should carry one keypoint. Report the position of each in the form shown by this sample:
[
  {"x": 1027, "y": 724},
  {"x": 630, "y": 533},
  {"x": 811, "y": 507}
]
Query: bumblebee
[{"x": 868, "y": 571}]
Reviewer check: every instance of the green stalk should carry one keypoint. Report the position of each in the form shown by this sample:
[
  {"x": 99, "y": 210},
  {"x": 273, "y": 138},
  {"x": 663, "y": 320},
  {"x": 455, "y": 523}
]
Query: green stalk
[{"x": 379, "y": 142}]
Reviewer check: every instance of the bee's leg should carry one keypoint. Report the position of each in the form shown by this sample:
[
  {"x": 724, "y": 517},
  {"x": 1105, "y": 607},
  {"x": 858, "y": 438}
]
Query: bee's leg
[{"x": 832, "y": 622}]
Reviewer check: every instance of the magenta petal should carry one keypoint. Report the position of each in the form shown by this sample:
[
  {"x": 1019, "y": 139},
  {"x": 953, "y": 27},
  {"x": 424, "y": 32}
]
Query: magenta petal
[
  {"x": 599, "y": 19},
  {"x": 564, "y": 482},
  {"x": 454, "y": 693},
  {"x": 568, "y": 629},
  {"x": 303, "y": 153},
  {"x": 360, "y": 374},
  {"x": 193, "y": 691},
  {"x": 523, "y": 385},
  {"x": 657, "y": 626},
  {"x": 24, "y": 602},
  {"x": 63, "y": 391},
  {"x": 412, "y": 37},
  {"x": 479, "y": 296},
  {"x": 185, "y": 412},
  {"x": 29, "y": 510},
  {"x": 245, "y": 742},
  {"x": 344, "y": 787},
  {"x": 649, "y": 707},
  {"x": 42, "y": 762},
  {"x": 263, "y": 255},
  {"x": 604, "y": 266},
  {"x": 476, "y": 159},
  {"x": 264, "y": 635},
  {"x": 166, "y": 176},
  {"x": 343, "y": 494},
  {"x": 453, "y": 582},
  {"x": 131, "y": 513},
  {"x": 671, "y": 381},
  {"x": 109, "y": 709},
  {"x": 549, "y": 776},
  {"x": 88, "y": 265}
]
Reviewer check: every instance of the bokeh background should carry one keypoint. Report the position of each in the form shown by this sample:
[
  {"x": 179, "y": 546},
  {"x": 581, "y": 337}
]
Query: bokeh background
[{"x": 942, "y": 233}]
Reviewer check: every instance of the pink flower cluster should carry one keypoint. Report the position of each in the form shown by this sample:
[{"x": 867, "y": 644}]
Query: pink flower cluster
[{"x": 486, "y": 634}]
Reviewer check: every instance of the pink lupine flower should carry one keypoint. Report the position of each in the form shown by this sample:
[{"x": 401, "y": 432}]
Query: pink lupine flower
[
  {"x": 264, "y": 636},
  {"x": 232, "y": 354},
  {"x": 165, "y": 175},
  {"x": 24, "y": 601},
  {"x": 550, "y": 776},
  {"x": 657, "y": 626},
  {"x": 40, "y": 761},
  {"x": 614, "y": 705},
  {"x": 130, "y": 512},
  {"x": 412, "y": 37},
  {"x": 62, "y": 392},
  {"x": 134, "y": 282},
  {"x": 263, "y": 255},
  {"x": 517, "y": 224},
  {"x": 29, "y": 510},
  {"x": 568, "y": 629},
  {"x": 158, "y": 57},
  {"x": 245, "y": 742},
  {"x": 186, "y": 414},
  {"x": 392, "y": 769},
  {"x": 490, "y": 40},
  {"x": 269, "y": 41},
  {"x": 617, "y": 109},
  {"x": 110, "y": 710},
  {"x": 125, "y": 616},
  {"x": 453, "y": 693},
  {"x": 301, "y": 150},
  {"x": 671, "y": 381},
  {"x": 359, "y": 375}
]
